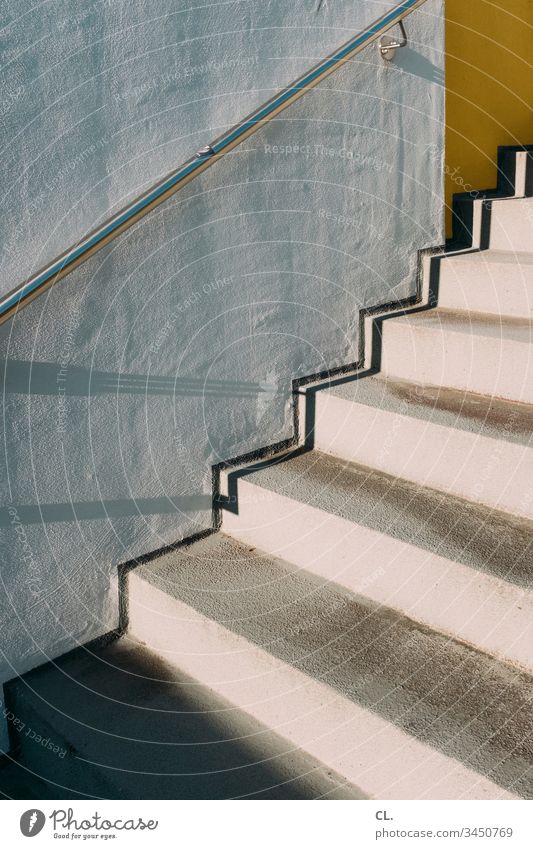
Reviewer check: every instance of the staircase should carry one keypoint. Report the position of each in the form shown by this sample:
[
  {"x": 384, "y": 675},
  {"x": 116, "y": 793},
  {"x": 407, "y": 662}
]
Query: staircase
[{"x": 362, "y": 626}]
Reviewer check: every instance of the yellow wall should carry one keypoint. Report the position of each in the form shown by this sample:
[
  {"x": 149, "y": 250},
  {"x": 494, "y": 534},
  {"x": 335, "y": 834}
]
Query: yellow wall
[{"x": 489, "y": 46}]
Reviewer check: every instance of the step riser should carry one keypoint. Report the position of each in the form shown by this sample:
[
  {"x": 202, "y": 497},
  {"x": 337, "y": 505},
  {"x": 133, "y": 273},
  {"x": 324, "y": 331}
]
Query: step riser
[
  {"x": 500, "y": 290},
  {"x": 515, "y": 170},
  {"x": 496, "y": 367},
  {"x": 511, "y": 225},
  {"x": 468, "y": 222},
  {"x": 370, "y": 752},
  {"x": 487, "y": 471},
  {"x": 487, "y": 613},
  {"x": 523, "y": 173},
  {"x": 503, "y": 225}
]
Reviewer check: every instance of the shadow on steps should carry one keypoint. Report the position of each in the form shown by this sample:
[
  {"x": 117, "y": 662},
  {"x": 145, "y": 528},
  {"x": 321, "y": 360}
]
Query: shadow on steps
[{"x": 132, "y": 730}]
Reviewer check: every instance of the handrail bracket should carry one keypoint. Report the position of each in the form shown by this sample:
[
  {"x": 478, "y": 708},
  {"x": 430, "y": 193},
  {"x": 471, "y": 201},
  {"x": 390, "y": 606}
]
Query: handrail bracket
[{"x": 388, "y": 45}]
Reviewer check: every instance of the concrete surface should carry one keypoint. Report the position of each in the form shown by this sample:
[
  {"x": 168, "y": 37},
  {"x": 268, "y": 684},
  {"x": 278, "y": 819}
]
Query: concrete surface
[
  {"x": 462, "y": 570},
  {"x": 133, "y": 727},
  {"x": 18, "y": 782},
  {"x": 495, "y": 282},
  {"x": 468, "y": 351},
  {"x": 511, "y": 225},
  {"x": 400, "y": 711},
  {"x": 472, "y": 446}
]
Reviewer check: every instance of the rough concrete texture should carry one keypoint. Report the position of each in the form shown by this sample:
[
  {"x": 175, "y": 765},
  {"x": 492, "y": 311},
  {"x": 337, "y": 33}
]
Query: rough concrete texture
[
  {"x": 134, "y": 728},
  {"x": 101, "y": 98},
  {"x": 472, "y": 446},
  {"x": 486, "y": 540},
  {"x": 465, "y": 350},
  {"x": 495, "y": 282},
  {"x": 369, "y": 532},
  {"x": 18, "y": 782},
  {"x": 174, "y": 347},
  {"x": 468, "y": 707},
  {"x": 480, "y": 415},
  {"x": 510, "y": 225}
]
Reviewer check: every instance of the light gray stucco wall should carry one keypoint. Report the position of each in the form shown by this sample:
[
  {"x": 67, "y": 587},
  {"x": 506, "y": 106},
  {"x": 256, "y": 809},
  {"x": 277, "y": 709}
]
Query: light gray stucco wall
[
  {"x": 100, "y": 98},
  {"x": 175, "y": 346}
]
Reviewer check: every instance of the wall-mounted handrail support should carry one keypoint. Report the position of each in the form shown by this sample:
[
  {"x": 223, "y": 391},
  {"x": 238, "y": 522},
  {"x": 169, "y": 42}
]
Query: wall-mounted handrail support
[{"x": 388, "y": 45}]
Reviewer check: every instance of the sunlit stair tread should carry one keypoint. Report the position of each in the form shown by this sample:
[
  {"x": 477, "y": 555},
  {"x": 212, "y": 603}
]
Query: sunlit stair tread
[
  {"x": 496, "y": 282},
  {"x": 469, "y": 445},
  {"x": 458, "y": 567},
  {"x": 349, "y": 681},
  {"x": 483, "y": 353},
  {"x": 464, "y": 322},
  {"x": 481, "y": 415}
]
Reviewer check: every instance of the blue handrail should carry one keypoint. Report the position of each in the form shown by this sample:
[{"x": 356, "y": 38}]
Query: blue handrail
[{"x": 61, "y": 266}]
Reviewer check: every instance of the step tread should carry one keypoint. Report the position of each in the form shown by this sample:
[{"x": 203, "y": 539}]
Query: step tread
[
  {"x": 454, "y": 408},
  {"x": 461, "y": 531},
  {"x": 472, "y": 323},
  {"x": 139, "y": 730},
  {"x": 445, "y": 694},
  {"x": 490, "y": 257}
]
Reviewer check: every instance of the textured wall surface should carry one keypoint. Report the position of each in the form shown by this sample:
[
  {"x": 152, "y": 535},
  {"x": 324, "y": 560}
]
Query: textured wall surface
[
  {"x": 100, "y": 98},
  {"x": 175, "y": 346}
]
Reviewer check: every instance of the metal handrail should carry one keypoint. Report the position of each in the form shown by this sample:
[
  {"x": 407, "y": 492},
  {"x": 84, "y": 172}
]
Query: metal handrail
[{"x": 206, "y": 157}]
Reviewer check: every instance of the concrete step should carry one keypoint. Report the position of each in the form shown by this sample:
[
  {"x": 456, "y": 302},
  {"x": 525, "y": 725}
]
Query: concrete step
[
  {"x": 16, "y": 782},
  {"x": 461, "y": 350},
  {"x": 460, "y": 569},
  {"x": 498, "y": 283},
  {"x": 494, "y": 222},
  {"x": 515, "y": 170},
  {"x": 510, "y": 224},
  {"x": 469, "y": 445},
  {"x": 120, "y": 723},
  {"x": 398, "y": 710}
]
